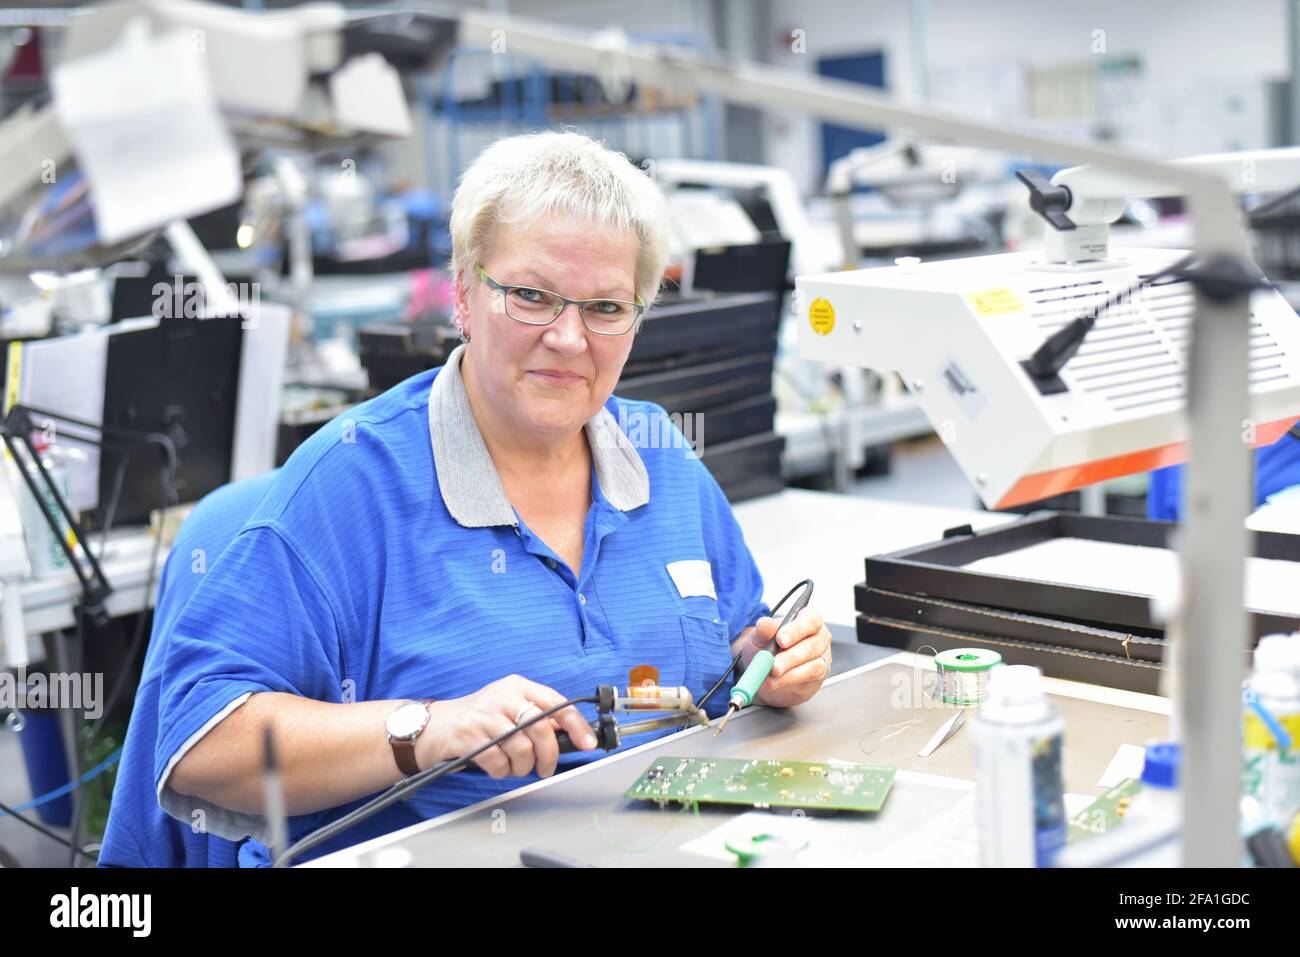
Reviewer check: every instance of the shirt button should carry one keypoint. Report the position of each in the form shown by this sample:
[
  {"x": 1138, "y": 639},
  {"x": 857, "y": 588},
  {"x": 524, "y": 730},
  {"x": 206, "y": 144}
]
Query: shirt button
[
  {"x": 551, "y": 562},
  {"x": 582, "y": 599}
]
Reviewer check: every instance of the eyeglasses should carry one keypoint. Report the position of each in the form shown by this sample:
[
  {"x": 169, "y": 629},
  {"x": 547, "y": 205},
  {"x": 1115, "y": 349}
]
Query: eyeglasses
[{"x": 541, "y": 307}]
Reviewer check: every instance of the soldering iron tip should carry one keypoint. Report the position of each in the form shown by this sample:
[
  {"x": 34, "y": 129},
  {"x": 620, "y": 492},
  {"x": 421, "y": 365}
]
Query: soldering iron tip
[{"x": 731, "y": 709}]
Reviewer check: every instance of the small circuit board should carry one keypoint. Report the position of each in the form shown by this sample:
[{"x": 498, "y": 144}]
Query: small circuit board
[
  {"x": 760, "y": 783},
  {"x": 1105, "y": 813}
]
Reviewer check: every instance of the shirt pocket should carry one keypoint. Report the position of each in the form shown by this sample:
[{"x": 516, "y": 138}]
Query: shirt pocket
[{"x": 708, "y": 658}]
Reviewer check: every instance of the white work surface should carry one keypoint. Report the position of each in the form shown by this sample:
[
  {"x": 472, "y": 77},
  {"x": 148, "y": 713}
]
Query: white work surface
[
  {"x": 48, "y": 602},
  {"x": 797, "y": 534}
]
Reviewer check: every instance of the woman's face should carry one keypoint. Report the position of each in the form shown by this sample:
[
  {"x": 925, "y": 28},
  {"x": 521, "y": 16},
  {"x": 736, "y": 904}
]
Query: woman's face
[{"x": 548, "y": 379}]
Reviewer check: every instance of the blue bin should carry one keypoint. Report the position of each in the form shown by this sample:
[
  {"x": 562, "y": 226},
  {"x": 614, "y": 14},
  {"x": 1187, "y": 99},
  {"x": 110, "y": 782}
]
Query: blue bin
[{"x": 47, "y": 764}]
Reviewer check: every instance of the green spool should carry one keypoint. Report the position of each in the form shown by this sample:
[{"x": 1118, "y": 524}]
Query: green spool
[{"x": 963, "y": 674}]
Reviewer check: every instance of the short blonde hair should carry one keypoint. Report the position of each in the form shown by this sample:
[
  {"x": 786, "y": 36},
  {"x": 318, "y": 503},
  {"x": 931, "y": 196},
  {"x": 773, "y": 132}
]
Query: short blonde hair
[{"x": 521, "y": 178}]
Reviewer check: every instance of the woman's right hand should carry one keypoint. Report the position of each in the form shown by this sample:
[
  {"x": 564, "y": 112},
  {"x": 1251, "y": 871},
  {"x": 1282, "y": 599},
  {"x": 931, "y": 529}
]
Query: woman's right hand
[{"x": 461, "y": 725}]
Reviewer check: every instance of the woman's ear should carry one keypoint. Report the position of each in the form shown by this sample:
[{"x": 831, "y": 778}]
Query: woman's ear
[{"x": 460, "y": 305}]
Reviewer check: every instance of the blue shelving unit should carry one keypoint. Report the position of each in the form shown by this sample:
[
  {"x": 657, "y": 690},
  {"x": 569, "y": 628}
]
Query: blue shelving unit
[{"x": 529, "y": 100}]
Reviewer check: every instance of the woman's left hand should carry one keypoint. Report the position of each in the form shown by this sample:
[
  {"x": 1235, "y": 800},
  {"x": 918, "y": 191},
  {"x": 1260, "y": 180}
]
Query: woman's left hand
[{"x": 803, "y": 657}]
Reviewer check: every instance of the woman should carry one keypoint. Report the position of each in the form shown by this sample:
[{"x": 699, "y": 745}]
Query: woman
[{"x": 480, "y": 542}]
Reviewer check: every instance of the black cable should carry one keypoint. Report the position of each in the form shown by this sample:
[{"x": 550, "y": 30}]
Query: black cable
[
  {"x": 735, "y": 662},
  {"x": 1059, "y": 348},
  {"x": 41, "y": 828},
  {"x": 1049, "y": 358},
  {"x": 78, "y": 800},
  {"x": 416, "y": 781},
  {"x": 114, "y": 497},
  {"x": 169, "y": 498}
]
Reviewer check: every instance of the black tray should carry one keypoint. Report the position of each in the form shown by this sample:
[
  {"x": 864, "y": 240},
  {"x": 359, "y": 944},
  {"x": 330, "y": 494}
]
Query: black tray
[
  {"x": 936, "y": 570},
  {"x": 685, "y": 325},
  {"x": 753, "y": 456},
  {"x": 701, "y": 387},
  {"x": 736, "y": 420},
  {"x": 924, "y": 613},
  {"x": 1055, "y": 661},
  {"x": 752, "y": 487}
]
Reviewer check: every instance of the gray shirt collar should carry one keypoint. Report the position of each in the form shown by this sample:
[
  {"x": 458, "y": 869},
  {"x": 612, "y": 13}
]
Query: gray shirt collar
[{"x": 471, "y": 487}]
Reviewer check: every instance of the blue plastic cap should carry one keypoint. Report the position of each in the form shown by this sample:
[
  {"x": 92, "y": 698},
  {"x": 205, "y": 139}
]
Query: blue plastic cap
[{"x": 1160, "y": 769}]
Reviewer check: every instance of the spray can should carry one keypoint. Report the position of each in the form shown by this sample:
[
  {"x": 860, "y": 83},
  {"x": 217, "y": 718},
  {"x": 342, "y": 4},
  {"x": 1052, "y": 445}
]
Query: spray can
[
  {"x": 1017, "y": 739},
  {"x": 1271, "y": 728},
  {"x": 43, "y": 550}
]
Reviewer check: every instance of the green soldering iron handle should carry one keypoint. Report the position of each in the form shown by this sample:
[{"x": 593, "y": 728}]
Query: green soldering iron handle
[
  {"x": 760, "y": 666},
  {"x": 747, "y": 687}
]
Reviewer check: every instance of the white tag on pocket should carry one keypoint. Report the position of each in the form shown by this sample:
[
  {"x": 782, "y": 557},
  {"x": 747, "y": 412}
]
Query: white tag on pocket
[{"x": 694, "y": 577}]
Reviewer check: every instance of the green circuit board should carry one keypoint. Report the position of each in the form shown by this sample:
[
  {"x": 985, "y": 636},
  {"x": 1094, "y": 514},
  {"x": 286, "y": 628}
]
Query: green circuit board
[
  {"x": 1105, "y": 813},
  {"x": 762, "y": 783}
]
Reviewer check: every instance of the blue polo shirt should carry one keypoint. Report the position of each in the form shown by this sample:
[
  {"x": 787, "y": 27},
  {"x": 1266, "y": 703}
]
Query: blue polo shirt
[
  {"x": 1277, "y": 467},
  {"x": 385, "y": 562}
]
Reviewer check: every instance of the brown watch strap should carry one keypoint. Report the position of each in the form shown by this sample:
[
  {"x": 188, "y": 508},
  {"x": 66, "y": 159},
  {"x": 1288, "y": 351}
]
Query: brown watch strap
[
  {"x": 404, "y": 748},
  {"x": 404, "y": 752}
]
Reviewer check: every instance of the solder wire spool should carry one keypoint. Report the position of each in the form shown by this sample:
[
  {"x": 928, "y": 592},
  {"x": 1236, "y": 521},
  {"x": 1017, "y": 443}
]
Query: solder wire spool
[{"x": 963, "y": 675}]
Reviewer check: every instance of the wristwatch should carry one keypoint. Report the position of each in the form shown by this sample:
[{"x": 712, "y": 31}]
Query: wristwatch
[{"x": 404, "y": 726}]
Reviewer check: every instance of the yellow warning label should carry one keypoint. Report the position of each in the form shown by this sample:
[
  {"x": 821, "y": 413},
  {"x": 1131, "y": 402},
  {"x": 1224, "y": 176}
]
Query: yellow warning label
[
  {"x": 994, "y": 302},
  {"x": 14, "y": 375},
  {"x": 821, "y": 316}
]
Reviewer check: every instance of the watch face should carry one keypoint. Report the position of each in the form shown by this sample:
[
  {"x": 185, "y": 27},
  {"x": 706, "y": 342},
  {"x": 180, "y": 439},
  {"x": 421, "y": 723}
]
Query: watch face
[{"x": 407, "y": 720}]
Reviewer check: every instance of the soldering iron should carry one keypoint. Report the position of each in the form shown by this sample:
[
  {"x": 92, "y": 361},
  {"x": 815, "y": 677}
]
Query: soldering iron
[{"x": 744, "y": 691}]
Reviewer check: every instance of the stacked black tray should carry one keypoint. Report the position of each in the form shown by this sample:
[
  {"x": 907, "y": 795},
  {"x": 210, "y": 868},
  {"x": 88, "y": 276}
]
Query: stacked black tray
[
  {"x": 926, "y": 596},
  {"x": 710, "y": 357},
  {"x": 392, "y": 352}
]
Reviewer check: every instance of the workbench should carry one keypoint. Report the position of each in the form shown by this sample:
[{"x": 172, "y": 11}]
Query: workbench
[
  {"x": 871, "y": 714},
  {"x": 48, "y": 603}
]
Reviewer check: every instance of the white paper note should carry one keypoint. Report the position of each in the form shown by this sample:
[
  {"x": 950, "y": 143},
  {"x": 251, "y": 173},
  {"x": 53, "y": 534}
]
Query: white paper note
[
  {"x": 1127, "y": 763},
  {"x": 146, "y": 131}
]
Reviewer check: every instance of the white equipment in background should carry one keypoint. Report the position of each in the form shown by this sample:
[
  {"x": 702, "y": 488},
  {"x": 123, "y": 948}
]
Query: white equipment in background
[
  {"x": 910, "y": 175},
  {"x": 958, "y": 331},
  {"x": 152, "y": 101},
  {"x": 809, "y": 251},
  {"x": 1085, "y": 201},
  {"x": 826, "y": 428}
]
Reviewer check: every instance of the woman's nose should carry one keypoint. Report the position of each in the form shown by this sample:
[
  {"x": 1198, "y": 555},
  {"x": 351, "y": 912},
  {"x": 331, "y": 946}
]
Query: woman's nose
[{"x": 567, "y": 334}]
